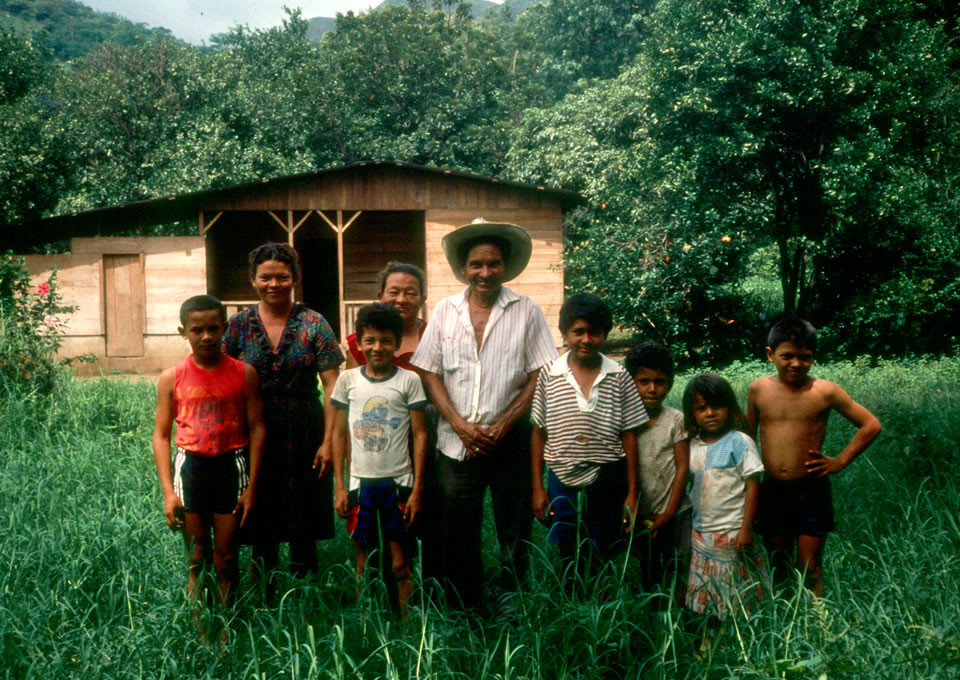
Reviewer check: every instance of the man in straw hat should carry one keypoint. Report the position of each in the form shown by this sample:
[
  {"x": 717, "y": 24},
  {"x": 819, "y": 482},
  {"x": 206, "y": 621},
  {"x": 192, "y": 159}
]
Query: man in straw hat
[{"x": 481, "y": 354}]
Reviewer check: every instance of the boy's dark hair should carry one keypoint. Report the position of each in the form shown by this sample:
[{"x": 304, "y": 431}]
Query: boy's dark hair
[
  {"x": 588, "y": 307},
  {"x": 718, "y": 393},
  {"x": 382, "y": 317},
  {"x": 201, "y": 303},
  {"x": 280, "y": 252},
  {"x": 402, "y": 268},
  {"x": 463, "y": 252},
  {"x": 793, "y": 329},
  {"x": 651, "y": 355}
]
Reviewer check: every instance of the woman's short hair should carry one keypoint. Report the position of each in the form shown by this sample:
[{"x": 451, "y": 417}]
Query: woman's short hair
[
  {"x": 402, "y": 268},
  {"x": 280, "y": 252}
]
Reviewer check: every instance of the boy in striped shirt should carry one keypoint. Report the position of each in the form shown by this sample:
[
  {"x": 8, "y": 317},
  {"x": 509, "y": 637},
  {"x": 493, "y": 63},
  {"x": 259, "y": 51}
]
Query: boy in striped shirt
[{"x": 586, "y": 411}]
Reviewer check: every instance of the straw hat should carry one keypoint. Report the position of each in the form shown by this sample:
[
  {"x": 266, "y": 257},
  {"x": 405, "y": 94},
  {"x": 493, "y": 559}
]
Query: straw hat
[{"x": 515, "y": 238}]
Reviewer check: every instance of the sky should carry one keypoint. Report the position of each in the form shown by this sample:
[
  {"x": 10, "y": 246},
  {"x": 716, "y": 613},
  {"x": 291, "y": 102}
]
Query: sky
[{"x": 196, "y": 20}]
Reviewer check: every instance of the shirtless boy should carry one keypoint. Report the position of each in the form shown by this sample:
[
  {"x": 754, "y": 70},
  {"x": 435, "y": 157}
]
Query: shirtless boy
[{"x": 790, "y": 409}]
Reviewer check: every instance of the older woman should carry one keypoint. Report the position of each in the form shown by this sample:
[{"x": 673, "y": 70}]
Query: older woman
[
  {"x": 480, "y": 359},
  {"x": 289, "y": 345},
  {"x": 401, "y": 285}
]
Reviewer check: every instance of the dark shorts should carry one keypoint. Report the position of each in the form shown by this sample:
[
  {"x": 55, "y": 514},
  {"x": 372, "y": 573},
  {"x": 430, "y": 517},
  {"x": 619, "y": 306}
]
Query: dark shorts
[
  {"x": 600, "y": 506},
  {"x": 377, "y": 501},
  {"x": 796, "y": 507},
  {"x": 210, "y": 483}
]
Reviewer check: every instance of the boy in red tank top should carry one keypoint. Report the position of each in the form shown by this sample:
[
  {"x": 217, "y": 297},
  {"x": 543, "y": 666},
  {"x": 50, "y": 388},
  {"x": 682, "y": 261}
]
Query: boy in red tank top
[{"x": 215, "y": 401}]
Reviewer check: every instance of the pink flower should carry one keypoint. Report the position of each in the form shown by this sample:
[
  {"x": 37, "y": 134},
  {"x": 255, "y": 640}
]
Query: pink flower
[
  {"x": 51, "y": 321},
  {"x": 43, "y": 289}
]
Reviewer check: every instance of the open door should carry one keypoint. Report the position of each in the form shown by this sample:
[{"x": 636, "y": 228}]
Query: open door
[{"x": 124, "y": 300}]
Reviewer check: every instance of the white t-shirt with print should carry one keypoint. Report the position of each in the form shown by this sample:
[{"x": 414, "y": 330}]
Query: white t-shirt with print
[
  {"x": 720, "y": 471},
  {"x": 657, "y": 465},
  {"x": 378, "y": 417}
]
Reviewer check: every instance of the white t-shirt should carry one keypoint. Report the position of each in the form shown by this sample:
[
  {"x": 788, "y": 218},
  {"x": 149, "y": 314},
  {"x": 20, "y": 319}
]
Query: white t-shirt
[
  {"x": 378, "y": 416},
  {"x": 720, "y": 471},
  {"x": 657, "y": 466}
]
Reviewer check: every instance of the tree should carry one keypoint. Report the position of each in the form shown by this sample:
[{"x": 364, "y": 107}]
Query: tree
[
  {"x": 33, "y": 153},
  {"x": 413, "y": 84},
  {"x": 764, "y": 124}
]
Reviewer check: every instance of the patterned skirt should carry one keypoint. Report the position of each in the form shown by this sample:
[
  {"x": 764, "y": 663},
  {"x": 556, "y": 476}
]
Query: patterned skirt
[{"x": 723, "y": 579}]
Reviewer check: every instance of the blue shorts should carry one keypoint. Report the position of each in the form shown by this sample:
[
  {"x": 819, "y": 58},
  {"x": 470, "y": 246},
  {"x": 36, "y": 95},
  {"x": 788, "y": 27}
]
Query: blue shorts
[
  {"x": 601, "y": 510},
  {"x": 378, "y": 501},
  {"x": 210, "y": 483},
  {"x": 795, "y": 507}
]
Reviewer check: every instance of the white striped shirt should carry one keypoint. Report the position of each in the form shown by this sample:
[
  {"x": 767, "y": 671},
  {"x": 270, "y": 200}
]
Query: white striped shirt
[
  {"x": 582, "y": 433},
  {"x": 481, "y": 384}
]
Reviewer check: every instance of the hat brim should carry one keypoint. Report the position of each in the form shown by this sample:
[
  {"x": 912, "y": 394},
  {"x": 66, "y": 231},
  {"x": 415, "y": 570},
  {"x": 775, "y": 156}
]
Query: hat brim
[{"x": 517, "y": 237}]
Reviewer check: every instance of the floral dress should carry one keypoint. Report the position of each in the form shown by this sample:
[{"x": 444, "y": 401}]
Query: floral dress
[{"x": 292, "y": 502}]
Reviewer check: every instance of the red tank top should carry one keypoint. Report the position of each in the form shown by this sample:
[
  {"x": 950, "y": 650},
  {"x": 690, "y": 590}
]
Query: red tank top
[{"x": 211, "y": 406}]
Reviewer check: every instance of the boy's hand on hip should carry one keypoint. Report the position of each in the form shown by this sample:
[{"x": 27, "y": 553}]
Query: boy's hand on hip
[
  {"x": 820, "y": 465},
  {"x": 244, "y": 505}
]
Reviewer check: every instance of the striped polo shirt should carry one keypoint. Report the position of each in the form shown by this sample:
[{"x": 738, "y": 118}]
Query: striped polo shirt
[{"x": 584, "y": 432}]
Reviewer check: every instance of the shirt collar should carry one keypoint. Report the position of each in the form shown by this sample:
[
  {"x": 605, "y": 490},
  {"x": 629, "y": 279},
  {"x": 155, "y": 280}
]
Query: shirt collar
[
  {"x": 506, "y": 297},
  {"x": 561, "y": 365}
]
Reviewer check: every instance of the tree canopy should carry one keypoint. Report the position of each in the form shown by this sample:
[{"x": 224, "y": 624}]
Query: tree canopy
[{"x": 742, "y": 160}]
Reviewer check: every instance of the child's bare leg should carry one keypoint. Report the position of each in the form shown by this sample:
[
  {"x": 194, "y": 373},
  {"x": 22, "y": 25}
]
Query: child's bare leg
[
  {"x": 196, "y": 539},
  {"x": 401, "y": 574},
  {"x": 361, "y": 565},
  {"x": 779, "y": 548},
  {"x": 225, "y": 557},
  {"x": 810, "y": 560}
]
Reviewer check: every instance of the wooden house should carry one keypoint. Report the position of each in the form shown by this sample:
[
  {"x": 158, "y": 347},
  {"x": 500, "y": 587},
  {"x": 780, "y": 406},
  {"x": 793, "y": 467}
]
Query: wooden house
[{"x": 346, "y": 223}]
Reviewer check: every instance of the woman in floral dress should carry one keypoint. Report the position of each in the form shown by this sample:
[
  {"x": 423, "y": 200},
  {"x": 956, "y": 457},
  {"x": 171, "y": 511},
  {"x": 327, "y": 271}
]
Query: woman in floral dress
[{"x": 289, "y": 345}]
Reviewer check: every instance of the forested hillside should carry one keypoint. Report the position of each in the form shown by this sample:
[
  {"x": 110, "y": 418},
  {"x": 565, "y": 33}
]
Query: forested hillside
[
  {"x": 741, "y": 161},
  {"x": 69, "y": 29}
]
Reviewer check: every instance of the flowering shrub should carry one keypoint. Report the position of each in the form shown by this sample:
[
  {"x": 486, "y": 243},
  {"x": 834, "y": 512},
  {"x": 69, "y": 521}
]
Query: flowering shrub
[{"x": 31, "y": 326}]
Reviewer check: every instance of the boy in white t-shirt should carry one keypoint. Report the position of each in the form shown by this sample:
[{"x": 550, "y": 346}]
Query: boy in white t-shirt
[
  {"x": 663, "y": 460},
  {"x": 382, "y": 406}
]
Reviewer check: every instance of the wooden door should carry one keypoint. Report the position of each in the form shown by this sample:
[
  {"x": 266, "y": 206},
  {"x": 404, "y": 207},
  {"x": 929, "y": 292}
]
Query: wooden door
[{"x": 124, "y": 298}]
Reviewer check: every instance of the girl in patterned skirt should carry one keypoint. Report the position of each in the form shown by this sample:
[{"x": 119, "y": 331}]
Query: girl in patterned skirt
[{"x": 726, "y": 471}]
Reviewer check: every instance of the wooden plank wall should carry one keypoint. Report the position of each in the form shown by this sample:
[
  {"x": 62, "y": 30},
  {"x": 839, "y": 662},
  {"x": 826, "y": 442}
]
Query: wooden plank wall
[
  {"x": 174, "y": 268},
  {"x": 542, "y": 279},
  {"x": 80, "y": 285}
]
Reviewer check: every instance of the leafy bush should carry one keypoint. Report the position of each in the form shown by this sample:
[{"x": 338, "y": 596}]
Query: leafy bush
[{"x": 31, "y": 323}]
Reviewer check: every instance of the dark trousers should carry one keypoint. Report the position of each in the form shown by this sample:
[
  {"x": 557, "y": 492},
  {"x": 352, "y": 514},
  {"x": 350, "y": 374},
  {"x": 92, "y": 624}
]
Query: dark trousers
[{"x": 456, "y": 538}]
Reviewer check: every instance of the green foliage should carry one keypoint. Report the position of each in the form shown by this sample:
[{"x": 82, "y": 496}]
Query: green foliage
[
  {"x": 811, "y": 131},
  {"x": 30, "y": 330},
  {"x": 70, "y": 29},
  {"x": 32, "y": 151},
  {"x": 92, "y": 583}
]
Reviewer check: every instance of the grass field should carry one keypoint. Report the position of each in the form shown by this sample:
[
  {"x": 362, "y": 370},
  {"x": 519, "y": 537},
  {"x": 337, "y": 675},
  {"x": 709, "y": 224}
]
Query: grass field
[{"x": 91, "y": 580}]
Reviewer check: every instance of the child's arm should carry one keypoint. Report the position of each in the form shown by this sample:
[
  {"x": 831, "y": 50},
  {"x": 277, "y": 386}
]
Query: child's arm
[
  {"x": 868, "y": 427},
  {"x": 629, "y": 440},
  {"x": 163, "y": 424},
  {"x": 540, "y": 499},
  {"x": 681, "y": 458},
  {"x": 323, "y": 457},
  {"x": 418, "y": 427},
  {"x": 752, "y": 412},
  {"x": 258, "y": 435},
  {"x": 745, "y": 535},
  {"x": 339, "y": 441}
]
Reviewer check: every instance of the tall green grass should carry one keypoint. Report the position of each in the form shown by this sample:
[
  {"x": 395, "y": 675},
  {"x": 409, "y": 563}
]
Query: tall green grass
[{"x": 92, "y": 582}]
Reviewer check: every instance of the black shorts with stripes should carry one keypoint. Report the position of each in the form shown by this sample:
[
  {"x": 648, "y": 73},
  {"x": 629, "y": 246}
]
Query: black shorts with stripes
[{"x": 206, "y": 483}]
